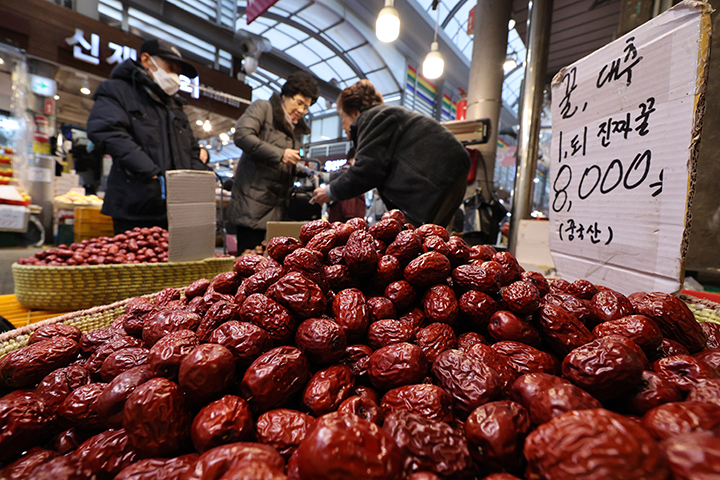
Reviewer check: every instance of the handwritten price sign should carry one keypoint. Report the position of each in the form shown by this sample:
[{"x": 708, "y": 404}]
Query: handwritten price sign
[{"x": 626, "y": 128}]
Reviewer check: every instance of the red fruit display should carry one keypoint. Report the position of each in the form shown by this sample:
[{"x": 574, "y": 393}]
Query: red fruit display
[
  {"x": 342, "y": 445},
  {"x": 139, "y": 245},
  {"x": 379, "y": 352}
]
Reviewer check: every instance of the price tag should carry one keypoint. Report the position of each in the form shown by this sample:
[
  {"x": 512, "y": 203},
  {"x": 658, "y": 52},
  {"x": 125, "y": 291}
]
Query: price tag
[
  {"x": 626, "y": 122},
  {"x": 43, "y": 175},
  {"x": 12, "y": 217}
]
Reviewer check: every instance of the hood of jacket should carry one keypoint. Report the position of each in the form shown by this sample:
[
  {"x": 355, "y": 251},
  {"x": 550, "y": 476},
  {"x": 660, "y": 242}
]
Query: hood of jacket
[{"x": 282, "y": 124}]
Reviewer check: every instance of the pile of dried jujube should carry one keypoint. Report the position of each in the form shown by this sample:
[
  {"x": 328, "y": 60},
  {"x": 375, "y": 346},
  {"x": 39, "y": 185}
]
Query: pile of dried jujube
[
  {"x": 382, "y": 352},
  {"x": 139, "y": 245}
]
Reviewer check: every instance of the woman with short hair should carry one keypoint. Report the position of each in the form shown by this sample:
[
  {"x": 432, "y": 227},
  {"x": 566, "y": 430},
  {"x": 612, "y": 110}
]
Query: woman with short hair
[
  {"x": 416, "y": 164},
  {"x": 269, "y": 133}
]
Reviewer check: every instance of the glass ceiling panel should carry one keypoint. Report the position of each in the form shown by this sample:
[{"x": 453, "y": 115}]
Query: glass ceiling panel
[
  {"x": 318, "y": 16},
  {"x": 324, "y": 71},
  {"x": 303, "y": 54},
  {"x": 252, "y": 82},
  {"x": 262, "y": 93},
  {"x": 350, "y": 81},
  {"x": 162, "y": 30},
  {"x": 269, "y": 74},
  {"x": 383, "y": 81},
  {"x": 342, "y": 68},
  {"x": 196, "y": 8},
  {"x": 319, "y": 48},
  {"x": 292, "y": 32},
  {"x": 318, "y": 107},
  {"x": 114, "y": 13},
  {"x": 258, "y": 26},
  {"x": 345, "y": 36},
  {"x": 367, "y": 58},
  {"x": 290, "y": 6},
  {"x": 278, "y": 39}
]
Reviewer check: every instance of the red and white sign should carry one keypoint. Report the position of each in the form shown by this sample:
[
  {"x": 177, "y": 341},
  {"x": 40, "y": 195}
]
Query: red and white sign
[
  {"x": 255, "y": 8},
  {"x": 49, "y": 107},
  {"x": 42, "y": 128},
  {"x": 471, "y": 21}
]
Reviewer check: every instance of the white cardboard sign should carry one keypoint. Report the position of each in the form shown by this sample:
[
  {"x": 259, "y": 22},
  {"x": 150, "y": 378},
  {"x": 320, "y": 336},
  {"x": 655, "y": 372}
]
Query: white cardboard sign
[{"x": 626, "y": 126}]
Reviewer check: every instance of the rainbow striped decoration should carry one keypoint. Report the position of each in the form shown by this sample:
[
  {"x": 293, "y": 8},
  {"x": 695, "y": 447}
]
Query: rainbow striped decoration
[
  {"x": 502, "y": 143},
  {"x": 448, "y": 107},
  {"x": 425, "y": 91}
]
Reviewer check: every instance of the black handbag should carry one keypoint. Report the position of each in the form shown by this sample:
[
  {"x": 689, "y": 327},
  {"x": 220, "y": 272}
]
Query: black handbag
[
  {"x": 482, "y": 219},
  {"x": 299, "y": 207}
]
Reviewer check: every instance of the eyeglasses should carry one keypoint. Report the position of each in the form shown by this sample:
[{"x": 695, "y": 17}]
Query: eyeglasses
[{"x": 300, "y": 103}]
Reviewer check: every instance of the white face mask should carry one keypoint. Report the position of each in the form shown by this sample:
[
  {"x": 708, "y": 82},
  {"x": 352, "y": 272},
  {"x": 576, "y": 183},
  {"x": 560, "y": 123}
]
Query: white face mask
[{"x": 169, "y": 82}]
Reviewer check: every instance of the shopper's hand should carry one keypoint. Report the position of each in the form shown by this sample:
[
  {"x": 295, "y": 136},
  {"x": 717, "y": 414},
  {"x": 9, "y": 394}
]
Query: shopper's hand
[
  {"x": 290, "y": 156},
  {"x": 320, "y": 196}
]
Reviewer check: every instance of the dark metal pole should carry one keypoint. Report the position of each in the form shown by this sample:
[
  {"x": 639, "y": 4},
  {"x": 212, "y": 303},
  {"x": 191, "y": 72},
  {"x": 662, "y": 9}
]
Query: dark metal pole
[{"x": 538, "y": 42}]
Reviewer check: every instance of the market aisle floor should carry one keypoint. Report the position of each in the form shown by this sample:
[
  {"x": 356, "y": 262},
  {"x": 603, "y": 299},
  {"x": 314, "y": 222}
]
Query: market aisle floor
[{"x": 8, "y": 256}]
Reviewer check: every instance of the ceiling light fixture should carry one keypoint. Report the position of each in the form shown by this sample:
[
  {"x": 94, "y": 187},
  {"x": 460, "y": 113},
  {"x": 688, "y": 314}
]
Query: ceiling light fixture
[
  {"x": 199, "y": 122},
  {"x": 206, "y": 125},
  {"x": 56, "y": 97},
  {"x": 511, "y": 24},
  {"x": 387, "y": 26},
  {"x": 85, "y": 88},
  {"x": 509, "y": 64},
  {"x": 434, "y": 64}
]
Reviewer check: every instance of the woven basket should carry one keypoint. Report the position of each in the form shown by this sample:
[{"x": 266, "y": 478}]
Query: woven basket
[
  {"x": 85, "y": 320},
  {"x": 77, "y": 288}
]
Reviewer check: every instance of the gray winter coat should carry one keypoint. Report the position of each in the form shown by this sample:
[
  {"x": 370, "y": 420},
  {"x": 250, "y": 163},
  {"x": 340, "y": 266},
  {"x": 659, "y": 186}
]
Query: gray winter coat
[{"x": 261, "y": 192}]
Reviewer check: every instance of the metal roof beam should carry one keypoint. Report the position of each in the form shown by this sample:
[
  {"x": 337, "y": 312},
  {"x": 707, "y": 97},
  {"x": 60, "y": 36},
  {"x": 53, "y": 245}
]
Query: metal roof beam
[{"x": 275, "y": 61}]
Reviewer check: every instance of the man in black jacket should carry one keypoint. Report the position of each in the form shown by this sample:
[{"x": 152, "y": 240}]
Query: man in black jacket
[{"x": 139, "y": 120}]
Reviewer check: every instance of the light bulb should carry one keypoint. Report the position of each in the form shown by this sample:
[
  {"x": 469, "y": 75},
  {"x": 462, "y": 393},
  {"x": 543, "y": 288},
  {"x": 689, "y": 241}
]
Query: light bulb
[
  {"x": 224, "y": 137},
  {"x": 56, "y": 97},
  {"x": 511, "y": 24},
  {"x": 206, "y": 126},
  {"x": 387, "y": 26},
  {"x": 434, "y": 64},
  {"x": 509, "y": 64}
]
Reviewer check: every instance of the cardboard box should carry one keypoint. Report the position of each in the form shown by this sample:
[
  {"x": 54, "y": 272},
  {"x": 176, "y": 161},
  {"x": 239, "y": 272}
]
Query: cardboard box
[
  {"x": 626, "y": 129},
  {"x": 191, "y": 215},
  {"x": 533, "y": 245},
  {"x": 284, "y": 229}
]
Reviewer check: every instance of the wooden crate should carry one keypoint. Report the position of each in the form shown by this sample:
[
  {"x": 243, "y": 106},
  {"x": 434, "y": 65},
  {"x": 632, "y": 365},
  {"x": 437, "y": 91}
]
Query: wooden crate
[{"x": 90, "y": 223}]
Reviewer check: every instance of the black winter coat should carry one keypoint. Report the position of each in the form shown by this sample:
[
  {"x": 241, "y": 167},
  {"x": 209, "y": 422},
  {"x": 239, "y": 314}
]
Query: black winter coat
[
  {"x": 263, "y": 183},
  {"x": 415, "y": 163},
  {"x": 147, "y": 133}
]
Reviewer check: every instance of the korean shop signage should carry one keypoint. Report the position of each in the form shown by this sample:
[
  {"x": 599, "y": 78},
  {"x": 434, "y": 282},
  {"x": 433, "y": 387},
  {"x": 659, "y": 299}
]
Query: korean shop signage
[
  {"x": 86, "y": 48},
  {"x": 626, "y": 124}
]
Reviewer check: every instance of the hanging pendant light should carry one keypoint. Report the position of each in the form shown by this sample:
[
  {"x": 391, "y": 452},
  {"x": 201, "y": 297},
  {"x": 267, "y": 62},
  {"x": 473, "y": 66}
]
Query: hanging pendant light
[
  {"x": 434, "y": 64},
  {"x": 387, "y": 26}
]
